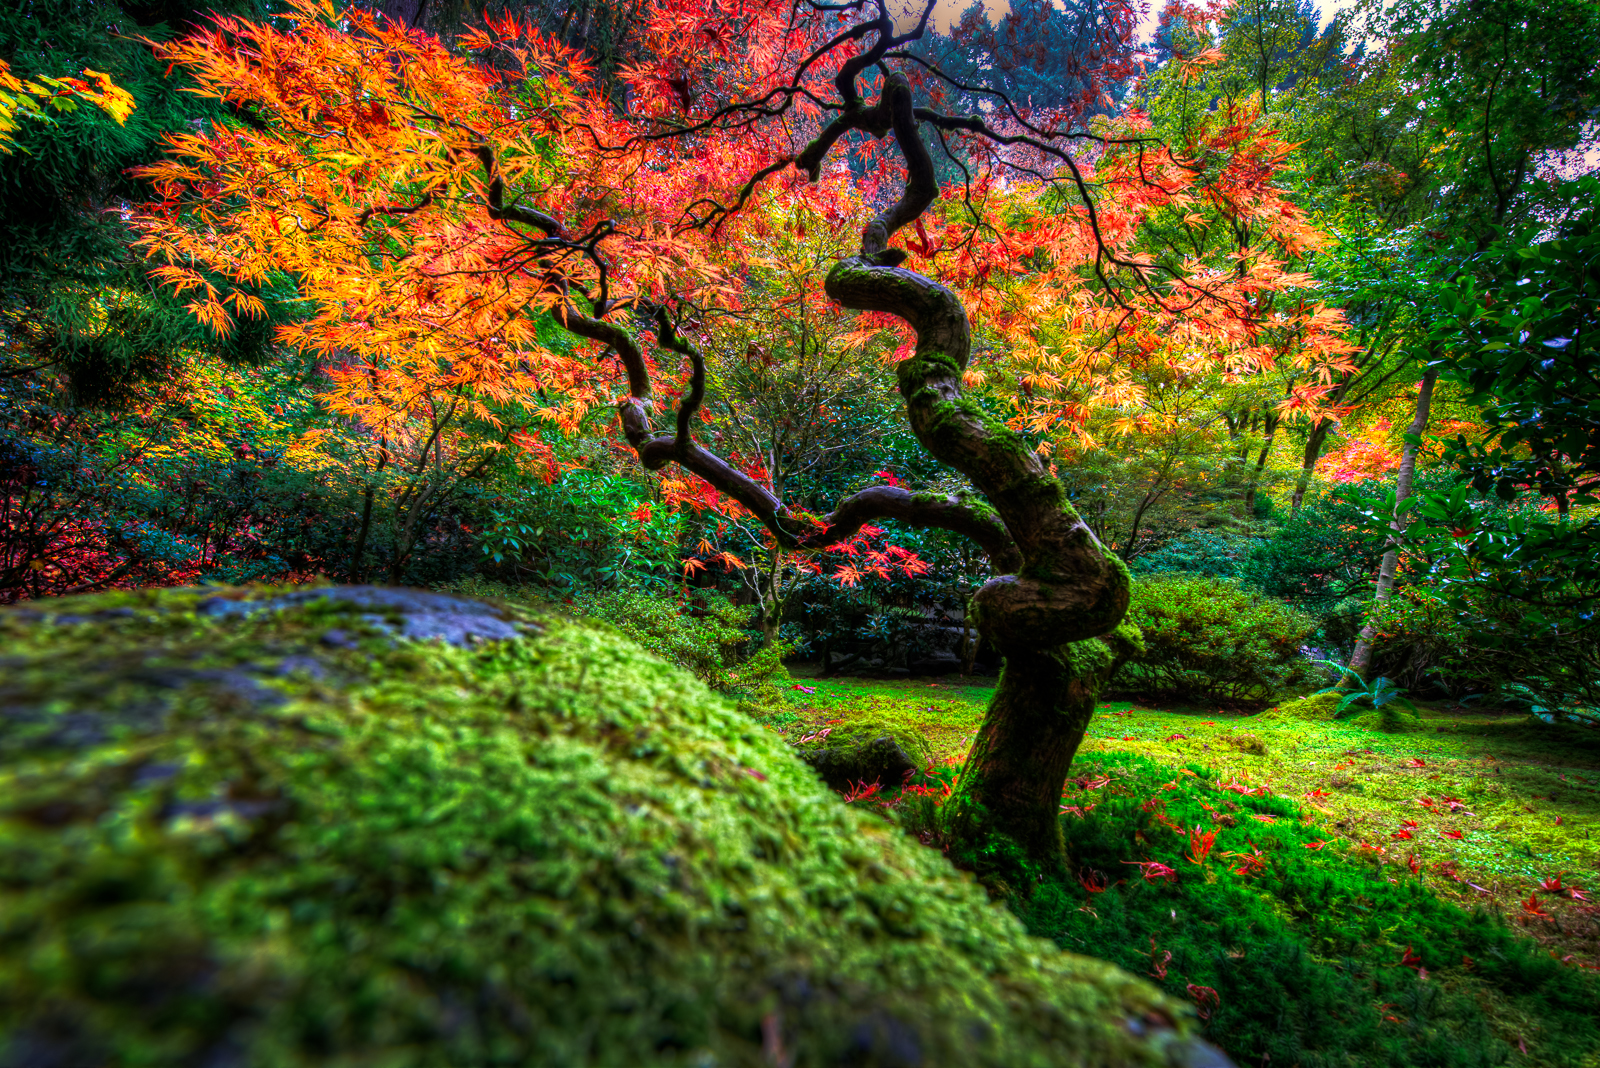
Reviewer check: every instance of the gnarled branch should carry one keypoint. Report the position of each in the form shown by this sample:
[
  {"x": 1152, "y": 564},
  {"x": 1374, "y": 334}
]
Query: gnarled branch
[{"x": 1068, "y": 587}]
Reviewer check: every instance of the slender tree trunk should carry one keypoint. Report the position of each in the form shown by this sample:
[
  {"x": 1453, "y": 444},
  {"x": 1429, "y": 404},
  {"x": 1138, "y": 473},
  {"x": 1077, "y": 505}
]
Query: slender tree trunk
[
  {"x": 366, "y": 520},
  {"x": 969, "y": 648},
  {"x": 772, "y": 606},
  {"x": 1308, "y": 462},
  {"x": 1261, "y": 465},
  {"x": 1361, "y": 660},
  {"x": 406, "y": 536}
]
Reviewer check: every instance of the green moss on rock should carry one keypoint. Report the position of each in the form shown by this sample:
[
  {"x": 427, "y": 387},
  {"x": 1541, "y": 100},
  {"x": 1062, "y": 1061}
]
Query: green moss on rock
[
  {"x": 1390, "y": 720},
  {"x": 1319, "y": 707},
  {"x": 877, "y": 746},
  {"x": 417, "y": 830}
]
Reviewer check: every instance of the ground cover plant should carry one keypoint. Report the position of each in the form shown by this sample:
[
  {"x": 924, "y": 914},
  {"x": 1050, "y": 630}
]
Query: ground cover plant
[{"x": 1362, "y": 896}]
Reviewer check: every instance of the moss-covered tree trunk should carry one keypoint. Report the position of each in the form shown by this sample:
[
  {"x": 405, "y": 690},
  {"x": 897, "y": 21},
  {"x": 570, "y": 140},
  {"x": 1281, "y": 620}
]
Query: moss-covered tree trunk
[
  {"x": 1008, "y": 807},
  {"x": 1067, "y": 590}
]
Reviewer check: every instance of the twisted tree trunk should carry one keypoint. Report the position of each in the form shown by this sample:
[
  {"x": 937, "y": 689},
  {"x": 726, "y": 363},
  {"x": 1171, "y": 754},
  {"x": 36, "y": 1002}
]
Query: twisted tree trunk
[
  {"x": 1058, "y": 591},
  {"x": 1068, "y": 590}
]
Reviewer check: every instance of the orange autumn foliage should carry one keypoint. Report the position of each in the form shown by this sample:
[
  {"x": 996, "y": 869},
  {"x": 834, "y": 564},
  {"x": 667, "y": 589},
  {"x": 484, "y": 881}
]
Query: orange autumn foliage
[{"x": 367, "y": 178}]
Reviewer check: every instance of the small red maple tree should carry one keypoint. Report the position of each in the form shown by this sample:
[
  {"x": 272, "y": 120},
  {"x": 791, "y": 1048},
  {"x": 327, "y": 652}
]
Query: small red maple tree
[{"x": 435, "y": 205}]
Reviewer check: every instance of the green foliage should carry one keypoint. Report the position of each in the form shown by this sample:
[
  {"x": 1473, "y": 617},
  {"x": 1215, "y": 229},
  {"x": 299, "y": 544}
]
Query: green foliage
[
  {"x": 706, "y": 638},
  {"x": 294, "y": 838},
  {"x": 1218, "y": 553},
  {"x": 583, "y": 530},
  {"x": 1209, "y": 639},
  {"x": 1353, "y": 689},
  {"x": 1461, "y": 642},
  {"x": 1301, "y": 956},
  {"x": 72, "y": 297},
  {"x": 1502, "y": 82},
  {"x": 1520, "y": 339},
  {"x": 1342, "y": 624},
  {"x": 1321, "y": 555},
  {"x": 208, "y": 478}
]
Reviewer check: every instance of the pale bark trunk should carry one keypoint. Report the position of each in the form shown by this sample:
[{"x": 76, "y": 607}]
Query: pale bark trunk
[
  {"x": 1361, "y": 659},
  {"x": 772, "y": 603}
]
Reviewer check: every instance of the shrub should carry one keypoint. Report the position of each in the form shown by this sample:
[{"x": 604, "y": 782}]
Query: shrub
[
  {"x": 1342, "y": 624},
  {"x": 708, "y": 639},
  {"x": 1218, "y": 553},
  {"x": 1320, "y": 556},
  {"x": 1473, "y": 644},
  {"x": 1211, "y": 639}
]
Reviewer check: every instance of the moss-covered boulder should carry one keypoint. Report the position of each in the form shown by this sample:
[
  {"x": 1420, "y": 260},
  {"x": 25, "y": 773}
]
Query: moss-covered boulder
[
  {"x": 360, "y": 827},
  {"x": 1324, "y": 708},
  {"x": 1391, "y": 719},
  {"x": 875, "y": 747},
  {"x": 1316, "y": 708}
]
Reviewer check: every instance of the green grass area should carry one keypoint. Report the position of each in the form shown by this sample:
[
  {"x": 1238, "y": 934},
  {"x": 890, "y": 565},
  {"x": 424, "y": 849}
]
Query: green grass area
[{"x": 1381, "y": 856}]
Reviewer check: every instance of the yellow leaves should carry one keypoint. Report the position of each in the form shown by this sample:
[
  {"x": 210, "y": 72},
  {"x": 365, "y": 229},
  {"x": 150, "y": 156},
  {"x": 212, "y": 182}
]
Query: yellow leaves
[
  {"x": 212, "y": 313},
  {"x": 181, "y": 279},
  {"x": 35, "y": 99},
  {"x": 307, "y": 450},
  {"x": 111, "y": 99},
  {"x": 247, "y": 305}
]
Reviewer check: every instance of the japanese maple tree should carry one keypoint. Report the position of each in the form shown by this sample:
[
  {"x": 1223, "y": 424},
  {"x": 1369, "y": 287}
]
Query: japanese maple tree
[{"x": 478, "y": 223}]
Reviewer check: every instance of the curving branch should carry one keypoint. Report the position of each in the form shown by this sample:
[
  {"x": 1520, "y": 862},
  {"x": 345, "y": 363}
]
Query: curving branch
[
  {"x": 668, "y": 334},
  {"x": 956, "y": 514},
  {"x": 1068, "y": 587},
  {"x": 792, "y": 530}
]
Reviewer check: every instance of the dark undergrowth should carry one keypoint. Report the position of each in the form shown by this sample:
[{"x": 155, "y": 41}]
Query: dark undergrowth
[{"x": 1298, "y": 953}]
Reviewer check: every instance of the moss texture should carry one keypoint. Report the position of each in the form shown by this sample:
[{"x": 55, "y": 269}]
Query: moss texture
[
  {"x": 1317, "y": 708},
  {"x": 865, "y": 749},
  {"x": 354, "y": 832}
]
